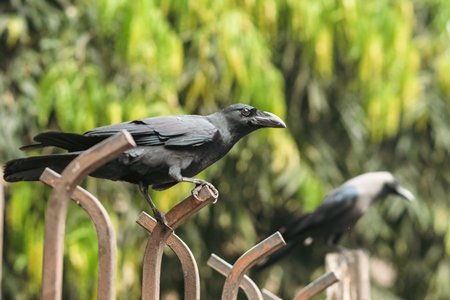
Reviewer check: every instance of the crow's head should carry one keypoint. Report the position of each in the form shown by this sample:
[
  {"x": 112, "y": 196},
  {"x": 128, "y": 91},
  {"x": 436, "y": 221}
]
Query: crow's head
[
  {"x": 242, "y": 118},
  {"x": 391, "y": 186},
  {"x": 379, "y": 184}
]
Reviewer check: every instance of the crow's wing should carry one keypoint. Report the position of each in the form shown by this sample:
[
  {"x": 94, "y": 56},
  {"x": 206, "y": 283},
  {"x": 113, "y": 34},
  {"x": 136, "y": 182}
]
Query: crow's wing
[
  {"x": 169, "y": 131},
  {"x": 172, "y": 131},
  {"x": 335, "y": 204}
]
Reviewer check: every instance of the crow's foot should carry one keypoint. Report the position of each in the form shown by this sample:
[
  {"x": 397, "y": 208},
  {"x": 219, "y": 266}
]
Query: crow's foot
[
  {"x": 161, "y": 217},
  {"x": 200, "y": 185}
]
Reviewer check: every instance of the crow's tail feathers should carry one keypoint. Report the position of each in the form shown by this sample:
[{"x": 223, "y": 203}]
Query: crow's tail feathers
[
  {"x": 64, "y": 140},
  {"x": 31, "y": 168}
]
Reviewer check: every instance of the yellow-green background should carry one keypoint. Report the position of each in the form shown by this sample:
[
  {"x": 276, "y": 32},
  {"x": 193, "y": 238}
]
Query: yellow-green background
[{"x": 362, "y": 85}]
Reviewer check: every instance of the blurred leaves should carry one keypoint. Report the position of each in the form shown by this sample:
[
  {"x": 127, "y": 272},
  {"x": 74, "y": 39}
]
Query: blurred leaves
[{"x": 362, "y": 85}]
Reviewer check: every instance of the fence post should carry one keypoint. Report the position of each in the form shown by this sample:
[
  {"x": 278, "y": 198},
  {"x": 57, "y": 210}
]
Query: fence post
[{"x": 352, "y": 268}]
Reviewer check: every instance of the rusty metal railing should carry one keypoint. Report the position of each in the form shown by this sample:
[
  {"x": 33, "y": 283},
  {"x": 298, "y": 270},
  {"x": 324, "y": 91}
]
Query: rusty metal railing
[
  {"x": 249, "y": 287},
  {"x": 65, "y": 187},
  {"x": 55, "y": 218},
  {"x": 248, "y": 260},
  {"x": 182, "y": 251},
  {"x": 317, "y": 286},
  {"x": 236, "y": 278},
  {"x": 105, "y": 234},
  {"x": 160, "y": 235},
  {"x": 267, "y": 295}
]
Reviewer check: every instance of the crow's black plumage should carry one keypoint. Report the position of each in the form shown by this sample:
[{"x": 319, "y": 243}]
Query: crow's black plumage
[
  {"x": 338, "y": 213},
  {"x": 169, "y": 150}
]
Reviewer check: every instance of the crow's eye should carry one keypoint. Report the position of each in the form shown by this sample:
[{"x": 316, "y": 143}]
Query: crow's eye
[{"x": 246, "y": 112}]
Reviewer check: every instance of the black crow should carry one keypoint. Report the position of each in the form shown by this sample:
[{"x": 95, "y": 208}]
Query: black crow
[
  {"x": 338, "y": 213},
  {"x": 169, "y": 150}
]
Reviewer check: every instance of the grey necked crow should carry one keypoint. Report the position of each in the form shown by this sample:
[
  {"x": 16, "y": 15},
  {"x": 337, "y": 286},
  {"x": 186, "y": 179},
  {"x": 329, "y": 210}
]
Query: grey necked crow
[
  {"x": 338, "y": 213},
  {"x": 169, "y": 150}
]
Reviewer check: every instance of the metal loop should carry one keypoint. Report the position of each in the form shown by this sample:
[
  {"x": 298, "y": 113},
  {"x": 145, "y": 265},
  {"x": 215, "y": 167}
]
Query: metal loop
[
  {"x": 246, "y": 261},
  {"x": 71, "y": 176},
  {"x": 158, "y": 238}
]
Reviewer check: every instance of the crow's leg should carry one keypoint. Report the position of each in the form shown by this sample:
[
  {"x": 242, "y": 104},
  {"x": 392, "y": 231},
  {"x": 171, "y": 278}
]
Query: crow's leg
[
  {"x": 159, "y": 215},
  {"x": 333, "y": 243}
]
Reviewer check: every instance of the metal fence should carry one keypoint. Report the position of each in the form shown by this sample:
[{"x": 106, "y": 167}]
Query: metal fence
[{"x": 65, "y": 187}]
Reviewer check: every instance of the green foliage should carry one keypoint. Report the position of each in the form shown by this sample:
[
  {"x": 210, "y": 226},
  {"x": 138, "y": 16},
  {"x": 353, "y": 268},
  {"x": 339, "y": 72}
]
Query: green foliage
[{"x": 362, "y": 85}]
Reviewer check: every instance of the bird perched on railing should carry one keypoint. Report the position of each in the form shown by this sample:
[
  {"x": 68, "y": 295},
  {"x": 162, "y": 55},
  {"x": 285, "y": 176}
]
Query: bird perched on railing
[
  {"x": 170, "y": 149},
  {"x": 338, "y": 213}
]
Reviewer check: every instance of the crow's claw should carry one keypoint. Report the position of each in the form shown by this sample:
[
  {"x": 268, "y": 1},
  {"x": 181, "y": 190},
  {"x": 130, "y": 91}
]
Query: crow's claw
[
  {"x": 161, "y": 218},
  {"x": 199, "y": 186}
]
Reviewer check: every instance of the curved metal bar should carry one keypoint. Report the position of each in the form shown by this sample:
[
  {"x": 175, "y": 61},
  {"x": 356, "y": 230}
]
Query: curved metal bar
[
  {"x": 317, "y": 286},
  {"x": 105, "y": 234},
  {"x": 72, "y": 175},
  {"x": 152, "y": 262},
  {"x": 267, "y": 295},
  {"x": 184, "y": 254},
  {"x": 155, "y": 245},
  {"x": 249, "y": 287},
  {"x": 246, "y": 261}
]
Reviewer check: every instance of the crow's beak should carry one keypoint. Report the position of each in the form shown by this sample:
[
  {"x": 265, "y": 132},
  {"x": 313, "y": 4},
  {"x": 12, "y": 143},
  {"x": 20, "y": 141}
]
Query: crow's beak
[
  {"x": 404, "y": 193},
  {"x": 267, "y": 119}
]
